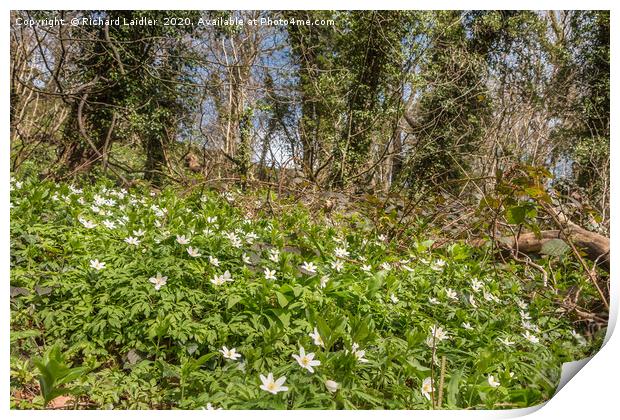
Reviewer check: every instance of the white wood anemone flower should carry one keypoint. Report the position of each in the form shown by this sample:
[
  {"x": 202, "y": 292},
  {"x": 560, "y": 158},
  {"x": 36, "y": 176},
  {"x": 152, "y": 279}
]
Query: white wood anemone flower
[
  {"x": 521, "y": 304},
  {"x": 359, "y": 354},
  {"x": 97, "y": 265},
  {"x": 234, "y": 239},
  {"x": 439, "y": 335},
  {"x": 451, "y": 294},
  {"x": 489, "y": 297},
  {"x": 274, "y": 255},
  {"x": 506, "y": 341},
  {"x": 230, "y": 353},
  {"x": 332, "y": 386},
  {"x": 476, "y": 285},
  {"x": 251, "y": 237},
  {"x": 270, "y": 274},
  {"x": 158, "y": 281},
  {"x": 309, "y": 267},
  {"x": 193, "y": 252},
  {"x": 492, "y": 381},
  {"x": 427, "y": 388},
  {"x": 438, "y": 265},
  {"x": 272, "y": 386},
  {"x": 337, "y": 265},
  {"x": 531, "y": 337},
  {"x": 341, "y": 253},
  {"x": 306, "y": 361},
  {"x": 88, "y": 224},
  {"x": 219, "y": 280},
  {"x": 317, "y": 338},
  {"x": 132, "y": 241}
]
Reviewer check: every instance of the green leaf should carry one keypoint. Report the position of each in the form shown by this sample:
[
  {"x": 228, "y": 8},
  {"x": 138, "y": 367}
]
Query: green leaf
[
  {"x": 18, "y": 335},
  {"x": 453, "y": 388},
  {"x": 285, "y": 318},
  {"x": 515, "y": 215},
  {"x": 369, "y": 398},
  {"x": 232, "y": 301},
  {"x": 168, "y": 370},
  {"x": 72, "y": 375},
  {"x": 297, "y": 289},
  {"x": 415, "y": 364},
  {"x": 361, "y": 330},
  {"x": 282, "y": 300},
  {"x": 324, "y": 331},
  {"x": 375, "y": 283},
  {"x": 339, "y": 325},
  {"x": 316, "y": 243},
  {"x": 555, "y": 247},
  {"x": 203, "y": 359},
  {"x": 54, "y": 373}
]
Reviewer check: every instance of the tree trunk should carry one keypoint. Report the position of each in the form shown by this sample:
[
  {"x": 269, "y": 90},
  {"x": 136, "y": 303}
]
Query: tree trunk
[{"x": 397, "y": 159}]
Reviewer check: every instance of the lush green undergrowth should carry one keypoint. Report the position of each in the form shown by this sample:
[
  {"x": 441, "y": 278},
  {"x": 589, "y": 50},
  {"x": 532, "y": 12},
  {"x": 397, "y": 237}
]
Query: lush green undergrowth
[{"x": 137, "y": 300}]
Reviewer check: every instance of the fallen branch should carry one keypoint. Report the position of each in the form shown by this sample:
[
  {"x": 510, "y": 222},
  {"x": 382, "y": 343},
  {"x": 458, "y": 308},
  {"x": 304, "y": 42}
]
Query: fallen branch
[{"x": 596, "y": 246}]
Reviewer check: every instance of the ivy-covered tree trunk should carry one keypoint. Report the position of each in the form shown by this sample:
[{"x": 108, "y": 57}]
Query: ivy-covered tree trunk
[
  {"x": 312, "y": 48},
  {"x": 453, "y": 107},
  {"x": 155, "y": 160}
]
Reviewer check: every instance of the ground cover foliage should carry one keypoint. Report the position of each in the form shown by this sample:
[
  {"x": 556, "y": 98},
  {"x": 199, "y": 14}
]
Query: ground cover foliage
[{"x": 138, "y": 298}]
